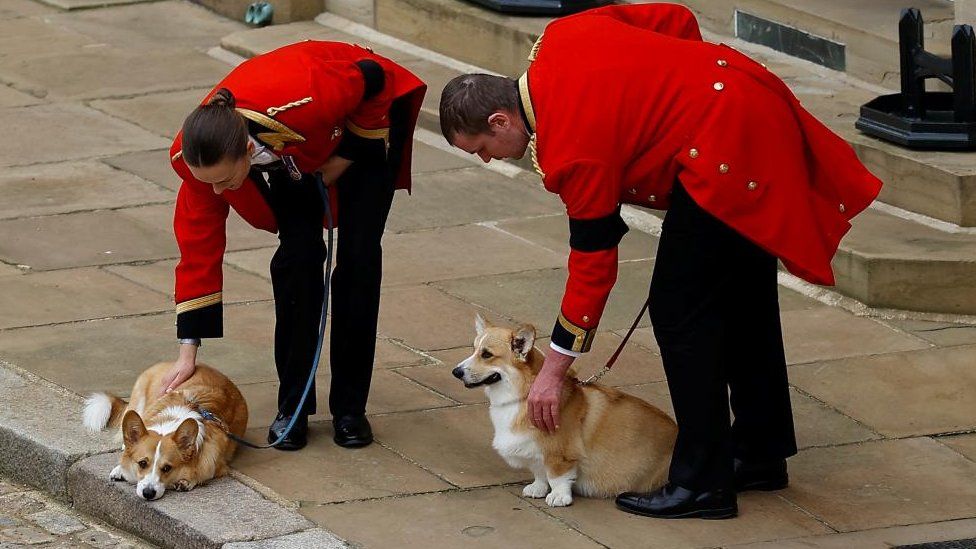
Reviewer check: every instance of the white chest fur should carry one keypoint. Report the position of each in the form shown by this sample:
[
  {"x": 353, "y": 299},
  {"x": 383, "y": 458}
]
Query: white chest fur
[{"x": 518, "y": 448}]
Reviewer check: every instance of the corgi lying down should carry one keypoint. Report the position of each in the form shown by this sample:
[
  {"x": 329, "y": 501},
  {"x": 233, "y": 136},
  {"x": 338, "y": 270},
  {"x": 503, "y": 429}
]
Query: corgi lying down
[
  {"x": 167, "y": 444},
  {"x": 608, "y": 442}
]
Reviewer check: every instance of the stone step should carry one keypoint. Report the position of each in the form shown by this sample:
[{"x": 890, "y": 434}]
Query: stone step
[
  {"x": 860, "y": 37},
  {"x": 886, "y": 261}
]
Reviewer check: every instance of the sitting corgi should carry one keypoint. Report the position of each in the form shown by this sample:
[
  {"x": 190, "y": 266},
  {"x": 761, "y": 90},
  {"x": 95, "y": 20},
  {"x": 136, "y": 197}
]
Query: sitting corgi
[
  {"x": 608, "y": 442},
  {"x": 167, "y": 441}
]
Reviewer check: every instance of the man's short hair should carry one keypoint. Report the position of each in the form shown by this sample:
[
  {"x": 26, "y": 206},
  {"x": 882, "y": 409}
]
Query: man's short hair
[{"x": 468, "y": 100}]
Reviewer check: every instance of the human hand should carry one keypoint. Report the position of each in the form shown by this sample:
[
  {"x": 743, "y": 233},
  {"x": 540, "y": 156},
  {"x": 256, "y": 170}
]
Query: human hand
[
  {"x": 182, "y": 369},
  {"x": 546, "y": 391}
]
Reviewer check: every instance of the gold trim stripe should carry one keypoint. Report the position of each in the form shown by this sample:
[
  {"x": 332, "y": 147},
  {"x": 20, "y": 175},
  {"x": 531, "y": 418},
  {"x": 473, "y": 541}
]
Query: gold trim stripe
[
  {"x": 584, "y": 337},
  {"x": 535, "y": 49},
  {"x": 280, "y": 133},
  {"x": 378, "y": 133},
  {"x": 176, "y": 156},
  {"x": 199, "y": 303}
]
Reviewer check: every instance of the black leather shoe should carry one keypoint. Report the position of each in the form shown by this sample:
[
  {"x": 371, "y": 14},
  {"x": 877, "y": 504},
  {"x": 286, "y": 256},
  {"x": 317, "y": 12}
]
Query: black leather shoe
[
  {"x": 672, "y": 501},
  {"x": 352, "y": 431},
  {"x": 296, "y": 439},
  {"x": 760, "y": 475}
]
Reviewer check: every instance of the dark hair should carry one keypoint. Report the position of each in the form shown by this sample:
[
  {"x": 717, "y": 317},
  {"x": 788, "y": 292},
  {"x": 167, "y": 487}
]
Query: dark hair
[
  {"x": 468, "y": 100},
  {"x": 214, "y": 131}
]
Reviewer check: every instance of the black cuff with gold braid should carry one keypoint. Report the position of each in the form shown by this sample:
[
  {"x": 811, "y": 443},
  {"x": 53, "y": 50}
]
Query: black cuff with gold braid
[
  {"x": 362, "y": 145},
  {"x": 199, "y": 318},
  {"x": 571, "y": 337}
]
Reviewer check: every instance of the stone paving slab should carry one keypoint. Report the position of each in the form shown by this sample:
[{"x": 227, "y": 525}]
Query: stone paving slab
[
  {"x": 477, "y": 518},
  {"x": 87, "y": 4},
  {"x": 238, "y": 285},
  {"x": 430, "y": 159},
  {"x": 14, "y": 9},
  {"x": 899, "y": 394},
  {"x": 41, "y": 433},
  {"x": 964, "y": 444},
  {"x": 22, "y": 37},
  {"x": 149, "y": 165},
  {"x": 454, "y": 443},
  {"x": 316, "y": 537},
  {"x": 333, "y": 474},
  {"x": 181, "y": 519},
  {"x": 10, "y": 97},
  {"x": 389, "y": 393},
  {"x": 147, "y": 24},
  {"x": 534, "y": 296},
  {"x": 108, "y": 355},
  {"x": 45, "y": 189},
  {"x": 827, "y": 333},
  {"x": 883, "y": 483},
  {"x": 102, "y": 136},
  {"x": 943, "y": 334},
  {"x": 762, "y": 516},
  {"x": 459, "y": 252},
  {"x": 108, "y": 71},
  {"x": 488, "y": 197},
  {"x": 425, "y": 318},
  {"x": 552, "y": 232},
  {"x": 77, "y": 294},
  {"x": 160, "y": 113},
  {"x": 84, "y": 239},
  {"x": 881, "y": 538}
]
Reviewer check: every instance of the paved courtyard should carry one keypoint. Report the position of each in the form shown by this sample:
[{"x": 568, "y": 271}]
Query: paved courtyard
[{"x": 89, "y": 102}]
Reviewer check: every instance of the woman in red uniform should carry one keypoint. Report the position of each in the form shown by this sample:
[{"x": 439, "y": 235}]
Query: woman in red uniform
[
  {"x": 627, "y": 104},
  {"x": 254, "y": 145}
]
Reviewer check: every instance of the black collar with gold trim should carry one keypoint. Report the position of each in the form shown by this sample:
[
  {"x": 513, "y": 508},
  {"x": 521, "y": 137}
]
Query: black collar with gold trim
[{"x": 525, "y": 103}]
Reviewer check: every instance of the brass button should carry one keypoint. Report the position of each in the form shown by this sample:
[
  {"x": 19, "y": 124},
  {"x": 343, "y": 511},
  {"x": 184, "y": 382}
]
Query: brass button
[
  {"x": 632, "y": 191},
  {"x": 651, "y": 198},
  {"x": 752, "y": 185},
  {"x": 718, "y": 86},
  {"x": 722, "y": 62},
  {"x": 842, "y": 208},
  {"x": 723, "y": 168},
  {"x": 693, "y": 153},
  {"x": 586, "y": 318}
]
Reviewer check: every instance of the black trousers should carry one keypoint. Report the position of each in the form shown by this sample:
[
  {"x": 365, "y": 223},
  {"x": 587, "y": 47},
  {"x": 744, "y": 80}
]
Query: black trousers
[
  {"x": 365, "y": 196},
  {"x": 715, "y": 312}
]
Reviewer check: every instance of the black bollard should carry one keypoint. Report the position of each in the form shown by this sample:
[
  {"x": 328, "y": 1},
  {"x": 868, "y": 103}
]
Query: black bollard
[{"x": 920, "y": 119}]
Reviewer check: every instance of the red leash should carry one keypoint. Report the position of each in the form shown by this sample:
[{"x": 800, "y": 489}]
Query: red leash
[{"x": 613, "y": 358}]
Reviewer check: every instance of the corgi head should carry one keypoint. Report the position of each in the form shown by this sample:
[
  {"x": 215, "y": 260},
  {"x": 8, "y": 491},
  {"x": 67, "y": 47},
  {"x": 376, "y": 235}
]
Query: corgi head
[
  {"x": 500, "y": 355},
  {"x": 157, "y": 461}
]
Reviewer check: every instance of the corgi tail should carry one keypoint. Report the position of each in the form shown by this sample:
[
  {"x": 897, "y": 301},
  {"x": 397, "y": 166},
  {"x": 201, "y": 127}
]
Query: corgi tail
[{"x": 103, "y": 410}]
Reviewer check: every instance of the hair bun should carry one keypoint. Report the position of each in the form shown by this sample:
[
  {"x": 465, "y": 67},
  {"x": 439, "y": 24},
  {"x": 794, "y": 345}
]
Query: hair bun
[{"x": 222, "y": 98}]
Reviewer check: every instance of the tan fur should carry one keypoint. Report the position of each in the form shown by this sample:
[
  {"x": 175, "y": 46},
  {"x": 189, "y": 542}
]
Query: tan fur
[
  {"x": 614, "y": 442},
  {"x": 183, "y": 459}
]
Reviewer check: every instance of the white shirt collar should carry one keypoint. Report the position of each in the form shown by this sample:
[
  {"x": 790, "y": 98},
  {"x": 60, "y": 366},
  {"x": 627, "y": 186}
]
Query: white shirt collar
[{"x": 262, "y": 154}]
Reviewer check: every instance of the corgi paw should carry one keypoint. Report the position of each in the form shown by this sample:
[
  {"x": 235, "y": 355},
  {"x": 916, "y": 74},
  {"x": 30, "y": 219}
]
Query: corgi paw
[
  {"x": 536, "y": 490},
  {"x": 556, "y": 499},
  {"x": 116, "y": 474},
  {"x": 183, "y": 485}
]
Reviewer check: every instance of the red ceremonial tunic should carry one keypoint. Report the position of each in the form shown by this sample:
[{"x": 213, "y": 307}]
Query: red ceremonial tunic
[
  {"x": 625, "y": 100},
  {"x": 305, "y": 98}
]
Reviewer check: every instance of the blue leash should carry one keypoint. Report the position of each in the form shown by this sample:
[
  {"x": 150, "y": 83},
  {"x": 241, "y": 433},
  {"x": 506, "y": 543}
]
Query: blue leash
[{"x": 209, "y": 416}]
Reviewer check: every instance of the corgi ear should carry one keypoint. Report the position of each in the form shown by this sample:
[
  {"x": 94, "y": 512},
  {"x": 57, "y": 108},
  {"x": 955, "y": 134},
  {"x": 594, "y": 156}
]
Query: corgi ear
[
  {"x": 186, "y": 437},
  {"x": 480, "y": 324},
  {"x": 133, "y": 429},
  {"x": 522, "y": 341}
]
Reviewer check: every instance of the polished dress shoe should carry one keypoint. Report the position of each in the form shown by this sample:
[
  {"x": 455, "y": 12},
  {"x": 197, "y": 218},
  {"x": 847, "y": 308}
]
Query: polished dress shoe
[
  {"x": 672, "y": 501},
  {"x": 297, "y": 437},
  {"x": 352, "y": 431},
  {"x": 760, "y": 475}
]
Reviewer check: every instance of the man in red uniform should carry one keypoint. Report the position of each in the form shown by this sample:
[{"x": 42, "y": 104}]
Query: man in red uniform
[
  {"x": 253, "y": 146},
  {"x": 626, "y": 104}
]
